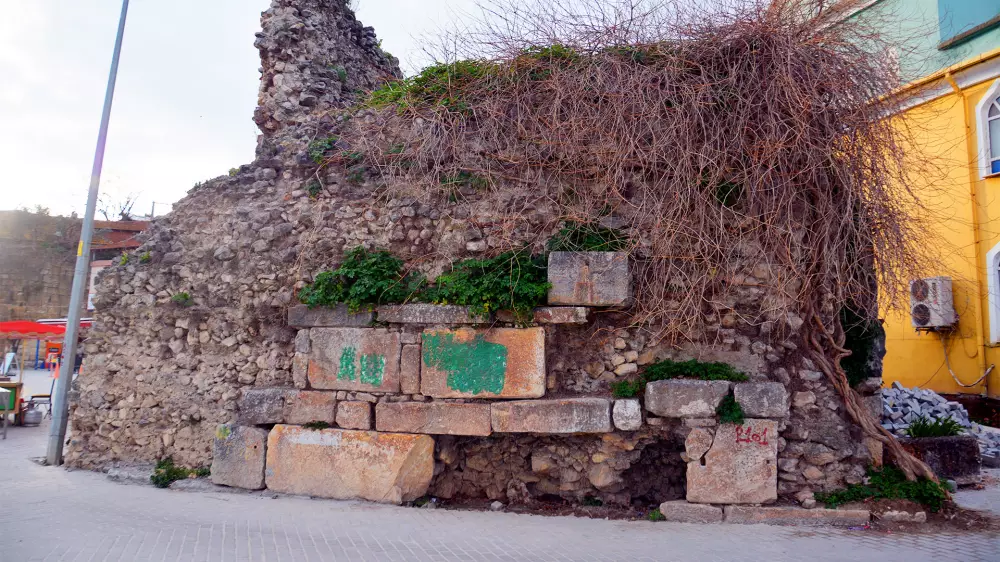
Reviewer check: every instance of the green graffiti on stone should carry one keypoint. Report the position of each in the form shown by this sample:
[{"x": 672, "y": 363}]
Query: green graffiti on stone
[
  {"x": 475, "y": 366},
  {"x": 372, "y": 369},
  {"x": 347, "y": 370}
]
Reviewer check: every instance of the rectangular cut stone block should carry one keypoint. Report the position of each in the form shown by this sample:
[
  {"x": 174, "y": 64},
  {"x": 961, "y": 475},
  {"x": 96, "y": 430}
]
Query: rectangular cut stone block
[
  {"x": 679, "y": 398},
  {"x": 796, "y": 516},
  {"x": 354, "y": 359},
  {"x": 740, "y": 467},
  {"x": 421, "y": 313},
  {"x": 571, "y": 415},
  {"x": 301, "y": 316},
  {"x": 589, "y": 278},
  {"x": 307, "y": 406},
  {"x": 762, "y": 399},
  {"x": 259, "y": 406},
  {"x": 561, "y": 315},
  {"x": 439, "y": 418},
  {"x": 627, "y": 414},
  {"x": 354, "y": 415},
  {"x": 681, "y": 511},
  {"x": 409, "y": 370},
  {"x": 238, "y": 456},
  {"x": 497, "y": 363},
  {"x": 955, "y": 458},
  {"x": 342, "y": 464}
]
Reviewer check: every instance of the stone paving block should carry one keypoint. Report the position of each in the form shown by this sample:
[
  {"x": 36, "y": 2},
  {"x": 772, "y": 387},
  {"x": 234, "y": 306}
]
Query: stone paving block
[
  {"x": 422, "y": 313},
  {"x": 561, "y": 315},
  {"x": 680, "y": 511},
  {"x": 260, "y": 406},
  {"x": 762, "y": 399},
  {"x": 307, "y": 406},
  {"x": 301, "y": 316},
  {"x": 627, "y": 414},
  {"x": 569, "y": 415},
  {"x": 679, "y": 398},
  {"x": 496, "y": 363},
  {"x": 796, "y": 516},
  {"x": 344, "y": 464},
  {"x": 238, "y": 456},
  {"x": 740, "y": 467},
  {"x": 409, "y": 369},
  {"x": 589, "y": 278},
  {"x": 354, "y": 415},
  {"x": 438, "y": 418},
  {"x": 354, "y": 359}
]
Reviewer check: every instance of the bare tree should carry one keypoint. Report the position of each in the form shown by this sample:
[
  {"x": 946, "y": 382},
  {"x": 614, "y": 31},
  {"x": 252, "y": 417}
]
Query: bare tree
[{"x": 117, "y": 209}]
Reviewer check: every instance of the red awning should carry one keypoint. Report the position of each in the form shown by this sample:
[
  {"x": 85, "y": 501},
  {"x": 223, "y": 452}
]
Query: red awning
[{"x": 25, "y": 330}]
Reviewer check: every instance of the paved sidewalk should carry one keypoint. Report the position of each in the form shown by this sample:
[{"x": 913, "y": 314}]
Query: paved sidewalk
[{"x": 52, "y": 514}]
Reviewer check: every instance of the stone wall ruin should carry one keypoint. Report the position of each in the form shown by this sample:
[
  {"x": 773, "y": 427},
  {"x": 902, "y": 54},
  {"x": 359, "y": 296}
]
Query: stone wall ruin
[{"x": 446, "y": 403}]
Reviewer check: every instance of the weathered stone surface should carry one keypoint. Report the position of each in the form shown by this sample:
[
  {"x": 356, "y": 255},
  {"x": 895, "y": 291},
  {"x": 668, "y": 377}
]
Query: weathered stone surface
[
  {"x": 354, "y": 359},
  {"x": 740, "y": 467},
  {"x": 307, "y": 406},
  {"x": 680, "y": 511},
  {"x": 342, "y": 464},
  {"x": 570, "y": 415},
  {"x": 438, "y": 418},
  {"x": 904, "y": 516},
  {"x": 497, "y": 363},
  {"x": 238, "y": 456},
  {"x": 697, "y": 443},
  {"x": 354, "y": 414},
  {"x": 409, "y": 369},
  {"x": 260, "y": 406},
  {"x": 796, "y": 516},
  {"x": 762, "y": 399},
  {"x": 627, "y": 414},
  {"x": 680, "y": 398},
  {"x": 421, "y": 313},
  {"x": 561, "y": 315},
  {"x": 589, "y": 278},
  {"x": 301, "y": 316},
  {"x": 952, "y": 458}
]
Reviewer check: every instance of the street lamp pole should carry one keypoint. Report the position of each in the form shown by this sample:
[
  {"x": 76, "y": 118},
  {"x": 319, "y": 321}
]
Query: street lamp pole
[{"x": 81, "y": 275}]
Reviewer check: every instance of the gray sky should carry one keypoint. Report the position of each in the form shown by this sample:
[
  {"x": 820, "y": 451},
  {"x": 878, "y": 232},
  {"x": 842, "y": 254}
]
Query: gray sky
[{"x": 187, "y": 88}]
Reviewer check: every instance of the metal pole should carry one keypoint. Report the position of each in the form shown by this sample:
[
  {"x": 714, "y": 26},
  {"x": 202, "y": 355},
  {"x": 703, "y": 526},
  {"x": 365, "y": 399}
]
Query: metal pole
[{"x": 81, "y": 275}]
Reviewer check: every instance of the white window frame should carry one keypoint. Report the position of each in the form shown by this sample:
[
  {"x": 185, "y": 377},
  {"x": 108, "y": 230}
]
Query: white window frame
[
  {"x": 993, "y": 292},
  {"x": 982, "y": 126}
]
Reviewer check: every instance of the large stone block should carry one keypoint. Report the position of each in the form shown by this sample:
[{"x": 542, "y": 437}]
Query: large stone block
[
  {"x": 354, "y": 359},
  {"x": 680, "y": 511},
  {"x": 589, "y": 278},
  {"x": 788, "y": 515},
  {"x": 354, "y": 415},
  {"x": 762, "y": 399},
  {"x": 561, "y": 315},
  {"x": 570, "y": 415},
  {"x": 238, "y": 456},
  {"x": 342, "y": 464},
  {"x": 497, "y": 363},
  {"x": 307, "y": 406},
  {"x": 679, "y": 398},
  {"x": 302, "y": 316},
  {"x": 627, "y": 414},
  {"x": 439, "y": 418},
  {"x": 740, "y": 467},
  {"x": 260, "y": 406},
  {"x": 409, "y": 369},
  {"x": 952, "y": 458},
  {"x": 421, "y": 313}
]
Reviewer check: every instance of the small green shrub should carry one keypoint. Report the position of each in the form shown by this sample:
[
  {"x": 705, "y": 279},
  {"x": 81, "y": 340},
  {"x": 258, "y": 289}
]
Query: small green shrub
[
  {"x": 123, "y": 260},
  {"x": 233, "y": 172},
  {"x": 317, "y": 425},
  {"x": 445, "y": 85},
  {"x": 182, "y": 298},
  {"x": 591, "y": 501},
  {"x": 341, "y": 73},
  {"x": 166, "y": 472},
  {"x": 314, "y": 188},
  {"x": 693, "y": 369},
  {"x": 587, "y": 237},
  {"x": 924, "y": 427},
  {"x": 145, "y": 257},
  {"x": 318, "y": 148},
  {"x": 364, "y": 279},
  {"x": 202, "y": 472},
  {"x": 396, "y": 148},
  {"x": 655, "y": 515},
  {"x": 729, "y": 411},
  {"x": 464, "y": 178},
  {"x": 889, "y": 483},
  {"x": 627, "y": 388},
  {"x": 357, "y": 175},
  {"x": 551, "y": 53},
  {"x": 513, "y": 281}
]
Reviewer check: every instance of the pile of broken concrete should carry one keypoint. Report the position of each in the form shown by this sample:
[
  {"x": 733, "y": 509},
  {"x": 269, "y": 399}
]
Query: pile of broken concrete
[{"x": 902, "y": 406}]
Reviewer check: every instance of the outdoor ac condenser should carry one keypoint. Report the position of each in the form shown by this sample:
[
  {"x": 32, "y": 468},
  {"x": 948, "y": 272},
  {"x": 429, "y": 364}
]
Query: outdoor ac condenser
[{"x": 931, "y": 305}]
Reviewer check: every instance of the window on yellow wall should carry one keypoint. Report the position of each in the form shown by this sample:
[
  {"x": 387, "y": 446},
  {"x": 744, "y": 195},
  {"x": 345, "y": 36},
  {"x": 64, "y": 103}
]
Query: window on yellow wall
[{"x": 988, "y": 117}]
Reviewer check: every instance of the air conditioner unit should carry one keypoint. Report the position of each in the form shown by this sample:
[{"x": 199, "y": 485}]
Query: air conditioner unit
[{"x": 931, "y": 305}]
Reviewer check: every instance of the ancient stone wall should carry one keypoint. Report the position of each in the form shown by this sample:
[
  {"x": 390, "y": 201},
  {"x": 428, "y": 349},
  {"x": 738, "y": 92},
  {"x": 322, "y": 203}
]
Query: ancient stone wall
[
  {"x": 37, "y": 255},
  {"x": 202, "y": 353}
]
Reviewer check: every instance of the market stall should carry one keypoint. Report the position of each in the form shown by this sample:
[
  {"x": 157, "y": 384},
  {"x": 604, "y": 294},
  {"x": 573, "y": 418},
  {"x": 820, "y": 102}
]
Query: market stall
[{"x": 11, "y": 367}]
